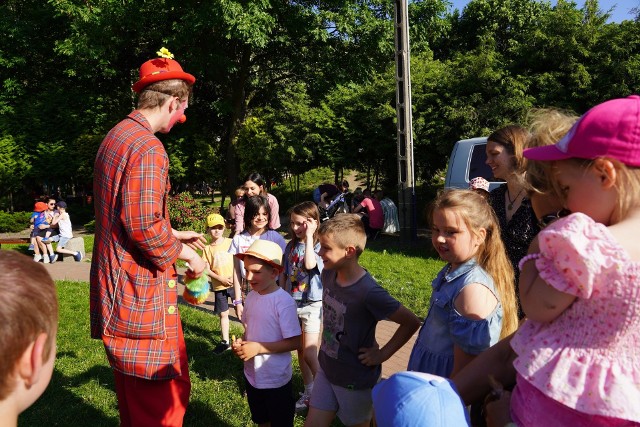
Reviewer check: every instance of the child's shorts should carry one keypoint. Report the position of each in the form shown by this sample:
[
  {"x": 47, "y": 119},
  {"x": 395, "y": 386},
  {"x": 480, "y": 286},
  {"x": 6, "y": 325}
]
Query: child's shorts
[
  {"x": 310, "y": 315},
  {"x": 221, "y": 300},
  {"x": 271, "y": 405},
  {"x": 63, "y": 242},
  {"x": 351, "y": 406}
]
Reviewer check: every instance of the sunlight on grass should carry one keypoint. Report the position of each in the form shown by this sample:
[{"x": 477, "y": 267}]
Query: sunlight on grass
[{"x": 81, "y": 390}]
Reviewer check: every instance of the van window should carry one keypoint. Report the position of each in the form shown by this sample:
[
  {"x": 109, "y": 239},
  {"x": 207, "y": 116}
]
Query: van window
[{"x": 477, "y": 165}]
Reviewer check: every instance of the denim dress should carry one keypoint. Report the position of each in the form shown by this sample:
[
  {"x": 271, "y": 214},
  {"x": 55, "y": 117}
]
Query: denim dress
[{"x": 444, "y": 326}]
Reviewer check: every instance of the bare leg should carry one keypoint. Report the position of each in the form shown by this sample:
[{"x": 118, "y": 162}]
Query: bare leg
[{"x": 224, "y": 325}]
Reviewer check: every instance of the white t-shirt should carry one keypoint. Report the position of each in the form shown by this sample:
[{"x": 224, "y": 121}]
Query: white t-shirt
[
  {"x": 64, "y": 225},
  {"x": 270, "y": 318}
]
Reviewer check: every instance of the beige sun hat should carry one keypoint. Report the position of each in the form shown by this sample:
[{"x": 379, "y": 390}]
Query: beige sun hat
[{"x": 264, "y": 250}]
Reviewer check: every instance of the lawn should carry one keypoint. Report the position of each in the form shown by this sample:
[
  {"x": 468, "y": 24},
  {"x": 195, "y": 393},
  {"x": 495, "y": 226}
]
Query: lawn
[{"x": 81, "y": 390}]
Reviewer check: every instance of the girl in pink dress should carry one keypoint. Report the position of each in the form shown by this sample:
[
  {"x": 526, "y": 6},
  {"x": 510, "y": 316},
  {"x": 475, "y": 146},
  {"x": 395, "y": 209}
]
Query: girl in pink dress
[{"x": 578, "y": 360}]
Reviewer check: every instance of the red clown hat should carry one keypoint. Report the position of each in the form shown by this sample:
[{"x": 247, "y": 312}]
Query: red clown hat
[{"x": 159, "y": 69}]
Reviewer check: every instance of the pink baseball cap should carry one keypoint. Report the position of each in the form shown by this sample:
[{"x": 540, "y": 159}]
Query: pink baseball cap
[{"x": 610, "y": 129}]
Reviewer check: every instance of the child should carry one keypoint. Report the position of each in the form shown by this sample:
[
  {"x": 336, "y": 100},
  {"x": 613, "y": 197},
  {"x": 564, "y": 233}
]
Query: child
[
  {"x": 301, "y": 277},
  {"x": 473, "y": 300},
  {"x": 42, "y": 232},
  {"x": 578, "y": 362},
  {"x": 219, "y": 267},
  {"x": 257, "y": 214},
  {"x": 37, "y": 219},
  {"x": 352, "y": 304},
  {"x": 271, "y": 333},
  {"x": 29, "y": 317},
  {"x": 64, "y": 225},
  {"x": 231, "y": 211},
  {"x": 410, "y": 399}
]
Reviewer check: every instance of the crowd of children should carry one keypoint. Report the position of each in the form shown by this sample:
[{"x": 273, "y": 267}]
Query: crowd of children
[
  {"x": 572, "y": 360},
  {"x": 579, "y": 276}
]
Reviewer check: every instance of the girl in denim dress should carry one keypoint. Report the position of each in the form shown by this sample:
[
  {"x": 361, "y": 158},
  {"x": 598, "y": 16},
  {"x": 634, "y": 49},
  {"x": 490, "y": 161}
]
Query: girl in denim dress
[{"x": 473, "y": 301}]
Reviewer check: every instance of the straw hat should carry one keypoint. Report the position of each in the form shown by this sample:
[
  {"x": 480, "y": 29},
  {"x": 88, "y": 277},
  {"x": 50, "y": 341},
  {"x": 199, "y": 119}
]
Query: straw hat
[{"x": 264, "y": 250}]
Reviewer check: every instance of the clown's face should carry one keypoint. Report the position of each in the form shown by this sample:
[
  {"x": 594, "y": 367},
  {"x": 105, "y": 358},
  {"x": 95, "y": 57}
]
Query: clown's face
[{"x": 178, "y": 113}]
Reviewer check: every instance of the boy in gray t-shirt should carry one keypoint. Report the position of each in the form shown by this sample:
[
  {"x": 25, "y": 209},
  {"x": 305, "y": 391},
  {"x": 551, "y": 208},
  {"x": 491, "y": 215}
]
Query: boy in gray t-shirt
[{"x": 353, "y": 303}]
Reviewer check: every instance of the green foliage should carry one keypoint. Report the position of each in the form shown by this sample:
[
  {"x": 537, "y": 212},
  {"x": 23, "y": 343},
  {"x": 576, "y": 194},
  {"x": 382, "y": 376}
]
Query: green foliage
[
  {"x": 186, "y": 213},
  {"x": 14, "y": 222}
]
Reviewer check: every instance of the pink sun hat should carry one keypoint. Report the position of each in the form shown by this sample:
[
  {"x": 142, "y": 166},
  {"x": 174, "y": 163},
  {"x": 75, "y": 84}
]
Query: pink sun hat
[{"x": 610, "y": 129}]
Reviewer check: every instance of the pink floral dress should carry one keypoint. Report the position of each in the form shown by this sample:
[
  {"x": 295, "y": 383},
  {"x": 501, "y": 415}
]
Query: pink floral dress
[{"x": 588, "y": 358}]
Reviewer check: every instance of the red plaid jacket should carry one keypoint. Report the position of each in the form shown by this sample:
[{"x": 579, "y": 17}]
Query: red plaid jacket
[{"x": 134, "y": 297}]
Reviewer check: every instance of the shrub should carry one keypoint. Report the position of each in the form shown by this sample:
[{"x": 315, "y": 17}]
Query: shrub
[
  {"x": 186, "y": 213},
  {"x": 90, "y": 226},
  {"x": 14, "y": 222}
]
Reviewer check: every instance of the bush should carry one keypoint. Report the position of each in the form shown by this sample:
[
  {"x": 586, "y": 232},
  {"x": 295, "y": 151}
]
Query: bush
[
  {"x": 14, "y": 222},
  {"x": 186, "y": 213},
  {"x": 90, "y": 226}
]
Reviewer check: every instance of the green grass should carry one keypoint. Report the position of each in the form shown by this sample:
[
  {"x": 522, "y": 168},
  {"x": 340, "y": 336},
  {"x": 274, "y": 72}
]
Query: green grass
[{"x": 81, "y": 390}]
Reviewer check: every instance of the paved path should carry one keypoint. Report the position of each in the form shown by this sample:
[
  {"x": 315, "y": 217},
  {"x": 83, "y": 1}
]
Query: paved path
[{"x": 79, "y": 271}]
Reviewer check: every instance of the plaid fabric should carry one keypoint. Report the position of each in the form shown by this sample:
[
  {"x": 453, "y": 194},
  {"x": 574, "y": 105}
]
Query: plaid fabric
[{"x": 134, "y": 298}]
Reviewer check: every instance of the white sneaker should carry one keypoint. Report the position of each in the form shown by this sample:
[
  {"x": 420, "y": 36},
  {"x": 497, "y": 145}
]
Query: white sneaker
[
  {"x": 45, "y": 259},
  {"x": 37, "y": 257},
  {"x": 303, "y": 403}
]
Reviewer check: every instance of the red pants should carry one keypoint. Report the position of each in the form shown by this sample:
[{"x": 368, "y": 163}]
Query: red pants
[{"x": 143, "y": 402}]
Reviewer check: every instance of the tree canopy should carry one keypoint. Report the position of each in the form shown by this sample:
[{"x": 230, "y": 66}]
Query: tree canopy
[{"x": 283, "y": 87}]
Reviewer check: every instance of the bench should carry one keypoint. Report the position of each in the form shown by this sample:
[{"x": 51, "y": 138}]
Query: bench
[
  {"x": 15, "y": 241},
  {"x": 74, "y": 244}
]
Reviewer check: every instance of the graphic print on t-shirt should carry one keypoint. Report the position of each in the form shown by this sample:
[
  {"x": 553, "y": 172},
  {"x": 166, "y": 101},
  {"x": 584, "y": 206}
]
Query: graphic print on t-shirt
[{"x": 333, "y": 314}]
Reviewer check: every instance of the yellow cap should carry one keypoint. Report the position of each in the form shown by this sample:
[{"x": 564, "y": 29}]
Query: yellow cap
[{"x": 215, "y": 219}]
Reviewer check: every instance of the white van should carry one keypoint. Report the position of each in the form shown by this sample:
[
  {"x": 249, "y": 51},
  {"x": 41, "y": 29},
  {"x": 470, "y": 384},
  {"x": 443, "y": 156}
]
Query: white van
[{"x": 467, "y": 161}]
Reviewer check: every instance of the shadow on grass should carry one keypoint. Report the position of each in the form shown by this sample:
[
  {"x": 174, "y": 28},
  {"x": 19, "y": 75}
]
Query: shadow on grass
[
  {"x": 420, "y": 246},
  {"x": 58, "y": 406}
]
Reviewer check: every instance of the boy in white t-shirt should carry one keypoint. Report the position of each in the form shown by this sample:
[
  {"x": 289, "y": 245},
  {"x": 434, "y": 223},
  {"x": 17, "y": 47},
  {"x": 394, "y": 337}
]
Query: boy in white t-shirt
[
  {"x": 272, "y": 331},
  {"x": 64, "y": 225}
]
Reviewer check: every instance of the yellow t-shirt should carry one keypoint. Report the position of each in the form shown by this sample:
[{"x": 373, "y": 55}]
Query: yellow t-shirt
[{"x": 220, "y": 261}]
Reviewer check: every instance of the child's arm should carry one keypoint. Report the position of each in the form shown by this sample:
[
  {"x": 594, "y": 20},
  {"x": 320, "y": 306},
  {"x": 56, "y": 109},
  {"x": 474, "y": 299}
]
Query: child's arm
[
  {"x": 408, "y": 322},
  {"x": 237, "y": 279},
  {"x": 247, "y": 350},
  {"x": 228, "y": 281},
  {"x": 540, "y": 302},
  {"x": 472, "y": 381},
  {"x": 311, "y": 225}
]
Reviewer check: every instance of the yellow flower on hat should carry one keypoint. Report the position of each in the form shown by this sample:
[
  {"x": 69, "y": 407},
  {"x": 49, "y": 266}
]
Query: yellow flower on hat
[{"x": 164, "y": 53}]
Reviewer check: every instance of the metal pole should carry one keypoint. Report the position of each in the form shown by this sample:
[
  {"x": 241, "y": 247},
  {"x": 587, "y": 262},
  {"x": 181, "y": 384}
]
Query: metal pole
[{"x": 406, "y": 182}]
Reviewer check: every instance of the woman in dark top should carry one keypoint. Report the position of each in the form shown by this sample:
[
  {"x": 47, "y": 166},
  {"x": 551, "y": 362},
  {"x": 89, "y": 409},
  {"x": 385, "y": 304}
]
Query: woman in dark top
[{"x": 518, "y": 222}]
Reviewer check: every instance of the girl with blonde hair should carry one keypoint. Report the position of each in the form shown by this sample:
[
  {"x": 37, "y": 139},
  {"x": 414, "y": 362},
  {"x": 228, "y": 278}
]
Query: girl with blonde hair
[{"x": 473, "y": 300}]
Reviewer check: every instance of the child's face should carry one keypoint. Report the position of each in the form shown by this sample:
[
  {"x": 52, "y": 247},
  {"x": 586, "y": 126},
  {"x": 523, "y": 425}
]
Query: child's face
[
  {"x": 260, "y": 276},
  {"x": 252, "y": 189},
  {"x": 582, "y": 190},
  {"x": 216, "y": 231},
  {"x": 298, "y": 225},
  {"x": 333, "y": 256},
  {"x": 260, "y": 220},
  {"x": 452, "y": 239}
]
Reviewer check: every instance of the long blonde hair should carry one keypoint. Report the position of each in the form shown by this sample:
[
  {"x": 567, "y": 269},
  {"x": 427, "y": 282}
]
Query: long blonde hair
[{"x": 477, "y": 214}]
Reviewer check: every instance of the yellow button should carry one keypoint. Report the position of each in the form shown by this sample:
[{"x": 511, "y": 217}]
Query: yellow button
[
  {"x": 172, "y": 284},
  {"x": 172, "y": 309}
]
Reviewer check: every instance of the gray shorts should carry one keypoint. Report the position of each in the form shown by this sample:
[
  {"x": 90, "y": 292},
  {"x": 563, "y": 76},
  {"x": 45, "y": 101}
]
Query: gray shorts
[
  {"x": 310, "y": 316},
  {"x": 351, "y": 406},
  {"x": 62, "y": 242}
]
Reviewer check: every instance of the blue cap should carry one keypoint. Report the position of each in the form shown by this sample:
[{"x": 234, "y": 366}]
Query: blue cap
[{"x": 409, "y": 399}]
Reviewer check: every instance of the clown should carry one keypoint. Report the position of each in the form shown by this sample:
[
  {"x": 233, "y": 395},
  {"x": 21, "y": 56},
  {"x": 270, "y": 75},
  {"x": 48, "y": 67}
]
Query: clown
[{"x": 134, "y": 293}]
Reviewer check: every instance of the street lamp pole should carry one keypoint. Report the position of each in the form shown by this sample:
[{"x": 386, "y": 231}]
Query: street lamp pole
[{"x": 406, "y": 181}]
